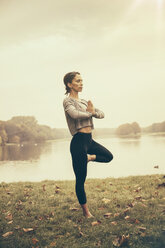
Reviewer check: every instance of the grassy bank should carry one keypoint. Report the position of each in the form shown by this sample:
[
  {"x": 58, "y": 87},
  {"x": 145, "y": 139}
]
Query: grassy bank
[{"x": 46, "y": 214}]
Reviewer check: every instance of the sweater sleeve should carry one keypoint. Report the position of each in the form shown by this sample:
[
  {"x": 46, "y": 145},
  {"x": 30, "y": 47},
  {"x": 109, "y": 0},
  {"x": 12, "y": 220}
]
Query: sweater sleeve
[
  {"x": 73, "y": 112},
  {"x": 98, "y": 114}
]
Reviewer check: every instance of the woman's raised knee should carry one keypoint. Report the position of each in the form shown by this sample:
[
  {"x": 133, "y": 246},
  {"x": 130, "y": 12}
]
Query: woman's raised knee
[{"x": 109, "y": 157}]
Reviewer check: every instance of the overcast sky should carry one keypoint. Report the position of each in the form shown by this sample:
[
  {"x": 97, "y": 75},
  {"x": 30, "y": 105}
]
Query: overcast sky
[{"x": 117, "y": 46}]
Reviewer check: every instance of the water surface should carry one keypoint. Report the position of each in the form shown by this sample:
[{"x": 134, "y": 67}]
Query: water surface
[{"x": 52, "y": 160}]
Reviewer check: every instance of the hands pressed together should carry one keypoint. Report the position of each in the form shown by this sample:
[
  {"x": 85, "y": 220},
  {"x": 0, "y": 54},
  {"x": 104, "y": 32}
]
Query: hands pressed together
[{"x": 90, "y": 107}]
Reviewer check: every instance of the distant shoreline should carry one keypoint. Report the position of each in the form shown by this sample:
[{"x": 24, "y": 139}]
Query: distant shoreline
[{"x": 95, "y": 135}]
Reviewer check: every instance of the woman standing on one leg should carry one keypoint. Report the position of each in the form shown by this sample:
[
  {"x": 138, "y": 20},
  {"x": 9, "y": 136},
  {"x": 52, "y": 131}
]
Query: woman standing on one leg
[{"x": 83, "y": 148}]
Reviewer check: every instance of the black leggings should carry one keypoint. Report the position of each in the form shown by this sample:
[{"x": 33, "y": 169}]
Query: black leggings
[{"x": 81, "y": 145}]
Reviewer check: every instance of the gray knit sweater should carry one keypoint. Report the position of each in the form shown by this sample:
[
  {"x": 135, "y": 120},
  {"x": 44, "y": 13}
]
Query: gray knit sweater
[{"x": 77, "y": 116}]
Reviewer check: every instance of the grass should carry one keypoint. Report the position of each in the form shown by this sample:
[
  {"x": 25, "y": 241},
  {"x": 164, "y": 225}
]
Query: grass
[{"x": 46, "y": 214}]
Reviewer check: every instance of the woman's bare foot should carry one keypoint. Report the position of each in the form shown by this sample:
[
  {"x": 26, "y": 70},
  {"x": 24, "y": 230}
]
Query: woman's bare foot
[
  {"x": 86, "y": 212},
  {"x": 88, "y": 215},
  {"x": 91, "y": 157}
]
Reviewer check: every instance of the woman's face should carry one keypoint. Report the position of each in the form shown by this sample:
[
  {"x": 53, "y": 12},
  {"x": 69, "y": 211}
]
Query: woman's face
[{"x": 77, "y": 83}]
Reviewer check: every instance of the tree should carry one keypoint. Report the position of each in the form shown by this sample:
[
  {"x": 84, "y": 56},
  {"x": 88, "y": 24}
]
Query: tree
[{"x": 127, "y": 129}]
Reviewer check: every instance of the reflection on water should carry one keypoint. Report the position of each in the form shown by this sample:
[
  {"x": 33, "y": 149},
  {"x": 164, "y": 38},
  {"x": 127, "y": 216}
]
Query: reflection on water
[
  {"x": 23, "y": 152},
  {"x": 52, "y": 160}
]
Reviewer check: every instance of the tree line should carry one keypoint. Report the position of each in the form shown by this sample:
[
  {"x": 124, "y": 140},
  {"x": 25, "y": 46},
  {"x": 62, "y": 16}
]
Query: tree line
[{"x": 21, "y": 129}]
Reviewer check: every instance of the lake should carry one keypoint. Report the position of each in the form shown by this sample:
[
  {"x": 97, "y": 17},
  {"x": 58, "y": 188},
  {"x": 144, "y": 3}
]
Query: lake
[{"x": 52, "y": 160}]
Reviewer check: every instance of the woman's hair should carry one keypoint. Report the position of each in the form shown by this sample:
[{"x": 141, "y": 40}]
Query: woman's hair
[{"x": 68, "y": 79}]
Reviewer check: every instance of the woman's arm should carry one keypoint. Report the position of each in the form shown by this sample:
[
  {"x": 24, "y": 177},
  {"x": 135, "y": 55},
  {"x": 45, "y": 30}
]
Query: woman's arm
[
  {"x": 98, "y": 114},
  {"x": 73, "y": 112},
  {"x": 95, "y": 112}
]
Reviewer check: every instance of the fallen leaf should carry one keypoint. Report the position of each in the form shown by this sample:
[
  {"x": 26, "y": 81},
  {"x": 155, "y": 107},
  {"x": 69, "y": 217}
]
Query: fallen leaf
[
  {"x": 105, "y": 200},
  {"x": 102, "y": 208},
  {"x": 81, "y": 234},
  {"x": 138, "y": 197},
  {"x": 138, "y": 189},
  {"x": 143, "y": 200},
  {"x": 142, "y": 234},
  {"x": 141, "y": 228},
  {"x": 9, "y": 216},
  {"x": 53, "y": 244},
  {"x": 126, "y": 210},
  {"x": 7, "y": 234},
  {"x": 137, "y": 221},
  {"x": 51, "y": 196},
  {"x": 116, "y": 214},
  {"x": 17, "y": 227},
  {"x": 127, "y": 217},
  {"x": 98, "y": 243},
  {"x": 74, "y": 209},
  {"x": 19, "y": 202},
  {"x": 114, "y": 223},
  {"x": 9, "y": 193},
  {"x": 9, "y": 203},
  {"x": 120, "y": 240},
  {"x": 95, "y": 223},
  {"x": 57, "y": 191},
  {"x": 27, "y": 229},
  {"x": 143, "y": 205},
  {"x": 131, "y": 205},
  {"x": 34, "y": 240},
  {"x": 107, "y": 215},
  {"x": 10, "y": 222}
]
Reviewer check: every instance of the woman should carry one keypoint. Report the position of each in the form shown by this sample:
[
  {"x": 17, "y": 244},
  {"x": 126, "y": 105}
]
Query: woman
[{"x": 83, "y": 148}]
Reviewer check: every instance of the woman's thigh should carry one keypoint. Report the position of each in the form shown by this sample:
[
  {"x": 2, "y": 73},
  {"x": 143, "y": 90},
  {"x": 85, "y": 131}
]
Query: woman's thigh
[
  {"x": 100, "y": 150},
  {"x": 79, "y": 160}
]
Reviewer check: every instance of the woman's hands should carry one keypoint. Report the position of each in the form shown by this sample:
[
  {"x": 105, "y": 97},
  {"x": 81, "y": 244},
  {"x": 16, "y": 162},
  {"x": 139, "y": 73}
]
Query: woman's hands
[{"x": 90, "y": 107}]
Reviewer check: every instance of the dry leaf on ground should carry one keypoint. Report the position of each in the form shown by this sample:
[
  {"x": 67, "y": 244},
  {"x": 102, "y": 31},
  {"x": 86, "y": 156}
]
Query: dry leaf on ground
[
  {"x": 116, "y": 214},
  {"x": 126, "y": 210},
  {"x": 120, "y": 240},
  {"x": 95, "y": 223},
  {"x": 57, "y": 191},
  {"x": 137, "y": 221},
  {"x": 114, "y": 223},
  {"x": 7, "y": 234},
  {"x": 9, "y": 216},
  {"x": 141, "y": 228},
  {"x": 81, "y": 234},
  {"x": 105, "y": 200},
  {"x": 74, "y": 209},
  {"x": 10, "y": 222},
  {"x": 27, "y": 229},
  {"x": 101, "y": 208},
  {"x": 52, "y": 244},
  {"x": 34, "y": 240},
  {"x": 107, "y": 215},
  {"x": 17, "y": 227}
]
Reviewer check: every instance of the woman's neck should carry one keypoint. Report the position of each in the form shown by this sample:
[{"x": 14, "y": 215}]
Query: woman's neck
[{"x": 74, "y": 95}]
